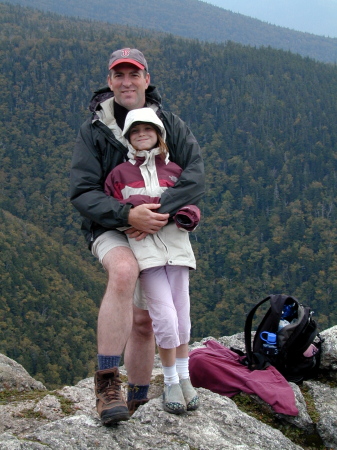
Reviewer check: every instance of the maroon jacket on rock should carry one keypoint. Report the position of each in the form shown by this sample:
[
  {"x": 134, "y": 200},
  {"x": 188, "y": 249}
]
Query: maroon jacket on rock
[{"x": 218, "y": 369}]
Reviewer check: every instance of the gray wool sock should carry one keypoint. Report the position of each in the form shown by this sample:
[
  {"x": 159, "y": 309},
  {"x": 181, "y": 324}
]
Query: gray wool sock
[
  {"x": 107, "y": 362},
  {"x": 137, "y": 391}
]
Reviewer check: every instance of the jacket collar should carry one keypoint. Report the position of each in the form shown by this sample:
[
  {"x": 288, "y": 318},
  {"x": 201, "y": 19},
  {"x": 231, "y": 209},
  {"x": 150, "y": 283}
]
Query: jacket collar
[{"x": 101, "y": 95}]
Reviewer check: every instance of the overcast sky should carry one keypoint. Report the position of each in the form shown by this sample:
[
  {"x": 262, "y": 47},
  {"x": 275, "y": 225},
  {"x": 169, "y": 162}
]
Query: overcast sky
[{"x": 312, "y": 16}]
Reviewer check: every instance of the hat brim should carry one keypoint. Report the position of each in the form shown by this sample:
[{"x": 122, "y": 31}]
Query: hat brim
[{"x": 126, "y": 60}]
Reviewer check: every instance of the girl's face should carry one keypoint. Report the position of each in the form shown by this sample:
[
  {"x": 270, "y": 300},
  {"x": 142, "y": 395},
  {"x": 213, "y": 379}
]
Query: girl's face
[{"x": 143, "y": 136}]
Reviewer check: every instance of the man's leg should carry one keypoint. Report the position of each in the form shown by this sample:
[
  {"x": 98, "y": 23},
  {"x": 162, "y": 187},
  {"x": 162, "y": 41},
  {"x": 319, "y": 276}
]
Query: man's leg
[
  {"x": 138, "y": 358},
  {"x": 140, "y": 348},
  {"x": 113, "y": 330},
  {"x": 115, "y": 314}
]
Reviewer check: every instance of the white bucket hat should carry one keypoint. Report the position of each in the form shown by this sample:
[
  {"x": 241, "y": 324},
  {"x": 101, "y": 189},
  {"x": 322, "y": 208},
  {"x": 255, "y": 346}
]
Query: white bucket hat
[{"x": 143, "y": 115}]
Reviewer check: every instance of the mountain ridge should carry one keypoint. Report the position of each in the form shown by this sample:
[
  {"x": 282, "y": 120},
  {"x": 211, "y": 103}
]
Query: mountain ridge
[{"x": 196, "y": 20}]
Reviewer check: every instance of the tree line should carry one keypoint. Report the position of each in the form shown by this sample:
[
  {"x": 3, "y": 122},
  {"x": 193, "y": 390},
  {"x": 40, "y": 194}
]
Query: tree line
[{"x": 194, "y": 19}]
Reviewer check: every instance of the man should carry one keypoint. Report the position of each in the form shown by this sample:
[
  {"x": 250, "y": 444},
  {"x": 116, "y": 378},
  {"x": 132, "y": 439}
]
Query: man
[{"x": 124, "y": 326}]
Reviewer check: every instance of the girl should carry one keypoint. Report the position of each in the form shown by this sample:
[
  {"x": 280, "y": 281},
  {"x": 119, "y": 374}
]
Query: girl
[{"x": 164, "y": 258}]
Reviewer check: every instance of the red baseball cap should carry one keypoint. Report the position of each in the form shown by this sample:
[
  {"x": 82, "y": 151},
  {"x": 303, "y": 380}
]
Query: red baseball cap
[{"x": 128, "y": 55}]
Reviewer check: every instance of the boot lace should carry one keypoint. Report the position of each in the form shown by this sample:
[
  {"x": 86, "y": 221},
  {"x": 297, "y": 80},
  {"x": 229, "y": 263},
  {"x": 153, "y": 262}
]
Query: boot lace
[{"x": 110, "y": 388}]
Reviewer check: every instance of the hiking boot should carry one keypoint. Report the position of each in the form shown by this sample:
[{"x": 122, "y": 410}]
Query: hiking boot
[
  {"x": 173, "y": 399},
  {"x": 190, "y": 394},
  {"x": 110, "y": 403},
  {"x": 135, "y": 403}
]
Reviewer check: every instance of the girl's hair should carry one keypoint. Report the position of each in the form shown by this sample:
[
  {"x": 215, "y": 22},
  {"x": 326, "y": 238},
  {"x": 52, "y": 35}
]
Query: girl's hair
[
  {"x": 161, "y": 144},
  {"x": 163, "y": 148}
]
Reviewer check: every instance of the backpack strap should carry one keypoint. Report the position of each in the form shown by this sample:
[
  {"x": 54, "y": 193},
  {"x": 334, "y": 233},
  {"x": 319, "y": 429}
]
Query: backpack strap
[{"x": 248, "y": 332}]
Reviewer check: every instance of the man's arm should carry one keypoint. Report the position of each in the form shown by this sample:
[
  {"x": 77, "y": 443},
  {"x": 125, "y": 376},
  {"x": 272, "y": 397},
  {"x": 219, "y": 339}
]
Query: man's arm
[
  {"x": 87, "y": 181},
  {"x": 184, "y": 151}
]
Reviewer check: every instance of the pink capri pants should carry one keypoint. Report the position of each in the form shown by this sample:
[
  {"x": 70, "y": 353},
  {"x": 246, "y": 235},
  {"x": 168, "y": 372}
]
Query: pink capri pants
[{"x": 167, "y": 292}]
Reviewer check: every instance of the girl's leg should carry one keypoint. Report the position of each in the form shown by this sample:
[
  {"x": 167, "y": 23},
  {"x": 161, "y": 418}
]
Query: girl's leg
[
  {"x": 182, "y": 361},
  {"x": 157, "y": 290},
  {"x": 173, "y": 397},
  {"x": 182, "y": 351},
  {"x": 167, "y": 356},
  {"x": 178, "y": 278},
  {"x": 179, "y": 281},
  {"x": 189, "y": 393}
]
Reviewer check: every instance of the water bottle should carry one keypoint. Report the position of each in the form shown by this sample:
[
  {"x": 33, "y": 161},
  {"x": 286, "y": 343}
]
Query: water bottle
[
  {"x": 282, "y": 323},
  {"x": 288, "y": 311},
  {"x": 270, "y": 343}
]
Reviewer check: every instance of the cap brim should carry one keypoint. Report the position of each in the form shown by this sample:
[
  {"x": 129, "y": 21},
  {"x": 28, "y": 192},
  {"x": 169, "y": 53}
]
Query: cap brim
[{"x": 129, "y": 61}]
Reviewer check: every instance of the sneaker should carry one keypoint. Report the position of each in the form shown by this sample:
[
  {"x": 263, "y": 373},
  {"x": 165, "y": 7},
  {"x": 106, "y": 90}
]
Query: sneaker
[
  {"x": 135, "y": 403},
  {"x": 173, "y": 399},
  {"x": 110, "y": 403},
  {"x": 190, "y": 394}
]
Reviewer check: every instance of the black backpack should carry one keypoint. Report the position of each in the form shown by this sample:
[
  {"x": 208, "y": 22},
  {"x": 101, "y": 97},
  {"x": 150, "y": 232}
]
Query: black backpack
[{"x": 296, "y": 332}]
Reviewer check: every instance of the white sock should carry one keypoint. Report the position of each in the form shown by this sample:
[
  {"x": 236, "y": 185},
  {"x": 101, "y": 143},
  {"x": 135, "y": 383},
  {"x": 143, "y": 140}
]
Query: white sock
[
  {"x": 182, "y": 368},
  {"x": 170, "y": 375}
]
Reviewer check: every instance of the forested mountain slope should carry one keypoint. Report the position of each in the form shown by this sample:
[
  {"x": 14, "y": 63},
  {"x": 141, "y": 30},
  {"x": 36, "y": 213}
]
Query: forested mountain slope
[
  {"x": 193, "y": 19},
  {"x": 48, "y": 303},
  {"x": 266, "y": 122}
]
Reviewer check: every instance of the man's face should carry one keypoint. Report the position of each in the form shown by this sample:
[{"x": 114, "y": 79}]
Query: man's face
[{"x": 128, "y": 84}]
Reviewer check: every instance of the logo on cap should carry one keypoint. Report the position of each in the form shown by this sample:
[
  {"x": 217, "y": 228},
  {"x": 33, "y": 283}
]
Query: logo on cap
[{"x": 125, "y": 52}]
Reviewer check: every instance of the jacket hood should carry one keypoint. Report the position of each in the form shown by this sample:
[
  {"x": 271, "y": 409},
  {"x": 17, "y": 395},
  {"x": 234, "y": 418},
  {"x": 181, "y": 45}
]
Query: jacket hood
[
  {"x": 151, "y": 95},
  {"x": 143, "y": 115}
]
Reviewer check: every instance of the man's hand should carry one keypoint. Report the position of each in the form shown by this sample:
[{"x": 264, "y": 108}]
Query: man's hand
[{"x": 145, "y": 221}]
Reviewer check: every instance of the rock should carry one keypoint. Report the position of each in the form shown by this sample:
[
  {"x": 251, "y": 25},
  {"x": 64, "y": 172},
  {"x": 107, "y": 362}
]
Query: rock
[
  {"x": 329, "y": 347},
  {"x": 303, "y": 421},
  {"x": 14, "y": 376},
  {"x": 218, "y": 424},
  {"x": 237, "y": 341},
  {"x": 49, "y": 407},
  {"x": 10, "y": 442},
  {"x": 325, "y": 399},
  {"x": 42, "y": 422},
  {"x": 81, "y": 396},
  {"x": 13, "y": 417}
]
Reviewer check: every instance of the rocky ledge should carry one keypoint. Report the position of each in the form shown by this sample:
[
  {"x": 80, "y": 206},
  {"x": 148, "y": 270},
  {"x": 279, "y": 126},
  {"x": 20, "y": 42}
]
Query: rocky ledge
[{"x": 34, "y": 418}]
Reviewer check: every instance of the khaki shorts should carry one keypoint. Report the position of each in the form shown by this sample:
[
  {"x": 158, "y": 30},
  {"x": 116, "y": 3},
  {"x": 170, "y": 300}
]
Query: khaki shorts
[{"x": 106, "y": 242}]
